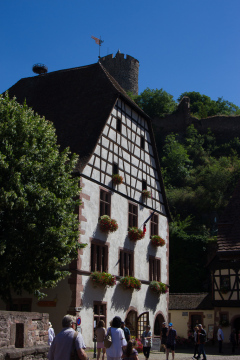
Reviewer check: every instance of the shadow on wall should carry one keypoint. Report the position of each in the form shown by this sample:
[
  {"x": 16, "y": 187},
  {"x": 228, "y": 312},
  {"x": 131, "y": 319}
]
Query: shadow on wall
[
  {"x": 152, "y": 300},
  {"x": 90, "y": 292},
  {"x": 121, "y": 299}
]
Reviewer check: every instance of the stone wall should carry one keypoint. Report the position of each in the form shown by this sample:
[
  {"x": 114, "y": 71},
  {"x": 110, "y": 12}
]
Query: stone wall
[
  {"x": 23, "y": 335},
  {"x": 124, "y": 70},
  {"x": 224, "y": 127}
]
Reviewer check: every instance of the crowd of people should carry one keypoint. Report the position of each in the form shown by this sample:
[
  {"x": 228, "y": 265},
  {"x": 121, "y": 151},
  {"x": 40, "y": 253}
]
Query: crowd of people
[{"x": 69, "y": 343}]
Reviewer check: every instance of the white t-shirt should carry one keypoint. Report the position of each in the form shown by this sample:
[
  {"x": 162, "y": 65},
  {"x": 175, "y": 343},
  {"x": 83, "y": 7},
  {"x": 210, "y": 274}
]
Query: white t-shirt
[
  {"x": 220, "y": 335},
  {"x": 51, "y": 335},
  {"x": 62, "y": 344},
  {"x": 118, "y": 341}
]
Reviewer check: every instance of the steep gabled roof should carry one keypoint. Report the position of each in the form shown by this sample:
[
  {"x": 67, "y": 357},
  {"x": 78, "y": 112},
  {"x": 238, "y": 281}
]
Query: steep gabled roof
[
  {"x": 190, "y": 301},
  {"x": 229, "y": 227},
  {"x": 79, "y": 102}
]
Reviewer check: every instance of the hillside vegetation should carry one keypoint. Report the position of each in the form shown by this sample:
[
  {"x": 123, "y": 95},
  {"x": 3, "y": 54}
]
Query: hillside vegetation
[{"x": 199, "y": 175}]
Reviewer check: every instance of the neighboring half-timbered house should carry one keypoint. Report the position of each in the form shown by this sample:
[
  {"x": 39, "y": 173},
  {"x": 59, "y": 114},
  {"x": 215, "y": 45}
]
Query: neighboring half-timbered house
[
  {"x": 225, "y": 267},
  {"x": 94, "y": 117}
]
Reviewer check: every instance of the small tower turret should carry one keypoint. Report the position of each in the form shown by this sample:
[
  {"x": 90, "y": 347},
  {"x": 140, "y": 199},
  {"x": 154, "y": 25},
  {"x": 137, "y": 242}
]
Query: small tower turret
[{"x": 124, "y": 70}]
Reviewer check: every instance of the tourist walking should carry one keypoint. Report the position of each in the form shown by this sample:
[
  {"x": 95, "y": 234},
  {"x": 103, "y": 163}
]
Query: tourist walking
[
  {"x": 171, "y": 341},
  {"x": 147, "y": 341},
  {"x": 220, "y": 338},
  {"x": 126, "y": 331},
  {"x": 201, "y": 342},
  {"x": 195, "y": 339},
  {"x": 100, "y": 333},
  {"x": 163, "y": 336},
  {"x": 67, "y": 340},
  {"x": 233, "y": 340},
  {"x": 51, "y": 334},
  {"x": 115, "y": 351}
]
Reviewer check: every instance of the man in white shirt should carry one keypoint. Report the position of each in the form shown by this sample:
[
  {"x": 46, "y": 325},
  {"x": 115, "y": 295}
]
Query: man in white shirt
[
  {"x": 220, "y": 337},
  {"x": 66, "y": 341}
]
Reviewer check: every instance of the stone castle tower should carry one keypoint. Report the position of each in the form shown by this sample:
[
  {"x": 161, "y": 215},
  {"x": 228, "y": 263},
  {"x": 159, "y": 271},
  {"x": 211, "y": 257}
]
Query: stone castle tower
[{"x": 124, "y": 70}]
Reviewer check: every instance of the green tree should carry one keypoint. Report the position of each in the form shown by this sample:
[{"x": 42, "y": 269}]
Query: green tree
[
  {"x": 38, "y": 196},
  {"x": 203, "y": 106},
  {"x": 155, "y": 103}
]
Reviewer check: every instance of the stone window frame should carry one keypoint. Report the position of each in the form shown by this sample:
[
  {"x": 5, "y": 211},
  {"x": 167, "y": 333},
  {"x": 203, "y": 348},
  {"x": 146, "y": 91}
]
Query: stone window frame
[{"x": 126, "y": 262}]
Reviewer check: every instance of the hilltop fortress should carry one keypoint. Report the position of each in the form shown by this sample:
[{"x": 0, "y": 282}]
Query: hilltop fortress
[
  {"x": 125, "y": 70},
  {"x": 224, "y": 127}
]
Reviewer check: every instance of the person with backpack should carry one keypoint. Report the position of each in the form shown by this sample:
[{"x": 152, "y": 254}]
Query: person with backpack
[
  {"x": 202, "y": 336},
  {"x": 126, "y": 331}
]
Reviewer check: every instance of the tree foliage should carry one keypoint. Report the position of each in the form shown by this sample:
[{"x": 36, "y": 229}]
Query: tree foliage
[
  {"x": 38, "y": 228},
  {"x": 155, "y": 103},
  {"x": 203, "y": 106}
]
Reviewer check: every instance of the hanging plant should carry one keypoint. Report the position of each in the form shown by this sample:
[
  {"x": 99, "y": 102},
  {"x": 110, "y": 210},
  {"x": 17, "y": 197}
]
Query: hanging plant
[
  {"x": 107, "y": 224},
  {"x": 117, "y": 179},
  {"x": 130, "y": 282},
  {"x": 102, "y": 278},
  {"x": 158, "y": 287},
  {"x": 146, "y": 194},
  {"x": 135, "y": 234},
  {"x": 156, "y": 240}
]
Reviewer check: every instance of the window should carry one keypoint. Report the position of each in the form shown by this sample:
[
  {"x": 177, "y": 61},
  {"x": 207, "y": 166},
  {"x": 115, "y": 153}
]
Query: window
[
  {"x": 154, "y": 225},
  {"x": 154, "y": 269},
  {"x": 115, "y": 168},
  {"x": 105, "y": 202},
  {"x": 132, "y": 215},
  {"x": 99, "y": 310},
  {"x": 224, "y": 320},
  {"x": 144, "y": 185},
  {"x": 126, "y": 263},
  {"x": 225, "y": 283},
  {"x": 142, "y": 142},
  {"x": 119, "y": 125},
  {"x": 99, "y": 257}
]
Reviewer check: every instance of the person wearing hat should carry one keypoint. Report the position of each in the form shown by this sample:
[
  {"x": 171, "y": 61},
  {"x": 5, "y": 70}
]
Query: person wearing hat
[
  {"x": 51, "y": 333},
  {"x": 171, "y": 341},
  {"x": 126, "y": 331},
  {"x": 163, "y": 336}
]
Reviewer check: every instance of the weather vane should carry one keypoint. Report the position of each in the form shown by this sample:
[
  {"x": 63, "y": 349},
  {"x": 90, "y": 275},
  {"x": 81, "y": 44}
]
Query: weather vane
[{"x": 99, "y": 42}]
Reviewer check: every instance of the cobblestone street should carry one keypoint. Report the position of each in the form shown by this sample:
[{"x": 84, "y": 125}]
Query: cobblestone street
[{"x": 186, "y": 354}]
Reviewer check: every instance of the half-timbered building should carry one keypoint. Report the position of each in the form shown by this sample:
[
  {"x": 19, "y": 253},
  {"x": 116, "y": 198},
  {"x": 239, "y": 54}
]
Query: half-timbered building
[
  {"x": 94, "y": 117},
  {"x": 225, "y": 268}
]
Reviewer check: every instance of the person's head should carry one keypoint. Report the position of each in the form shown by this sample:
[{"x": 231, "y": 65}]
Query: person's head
[
  {"x": 219, "y": 326},
  {"x": 116, "y": 323},
  {"x": 50, "y": 325},
  {"x": 68, "y": 321},
  {"x": 148, "y": 327},
  {"x": 101, "y": 324},
  {"x": 170, "y": 325},
  {"x": 196, "y": 328},
  {"x": 164, "y": 324},
  {"x": 200, "y": 326},
  {"x": 122, "y": 324},
  {"x": 130, "y": 346}
]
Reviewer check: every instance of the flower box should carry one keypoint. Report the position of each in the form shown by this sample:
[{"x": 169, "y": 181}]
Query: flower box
[
  {"x": 107, "y": 224},
  {"x": 158, "y": 287},
  {"x": 103, "y": 278},
  {"x": 130, "y": 282},
  {"x": 135, "y": 234},
  {"x": 117, "y": 179},
  {"x": 146, "y": 194},
  {"x": 156, "y": 240}
]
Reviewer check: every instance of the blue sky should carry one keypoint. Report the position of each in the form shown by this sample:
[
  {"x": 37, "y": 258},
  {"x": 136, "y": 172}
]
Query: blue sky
[{"x": 182, "y": 45}]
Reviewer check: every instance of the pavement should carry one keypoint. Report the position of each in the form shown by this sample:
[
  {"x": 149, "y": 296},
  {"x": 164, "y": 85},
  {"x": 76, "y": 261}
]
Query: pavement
[{"x": 187, "y": 354}]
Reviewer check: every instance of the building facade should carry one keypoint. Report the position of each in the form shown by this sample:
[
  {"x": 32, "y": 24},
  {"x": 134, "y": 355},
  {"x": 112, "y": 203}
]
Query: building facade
[{"x": 94, "y": 117}]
